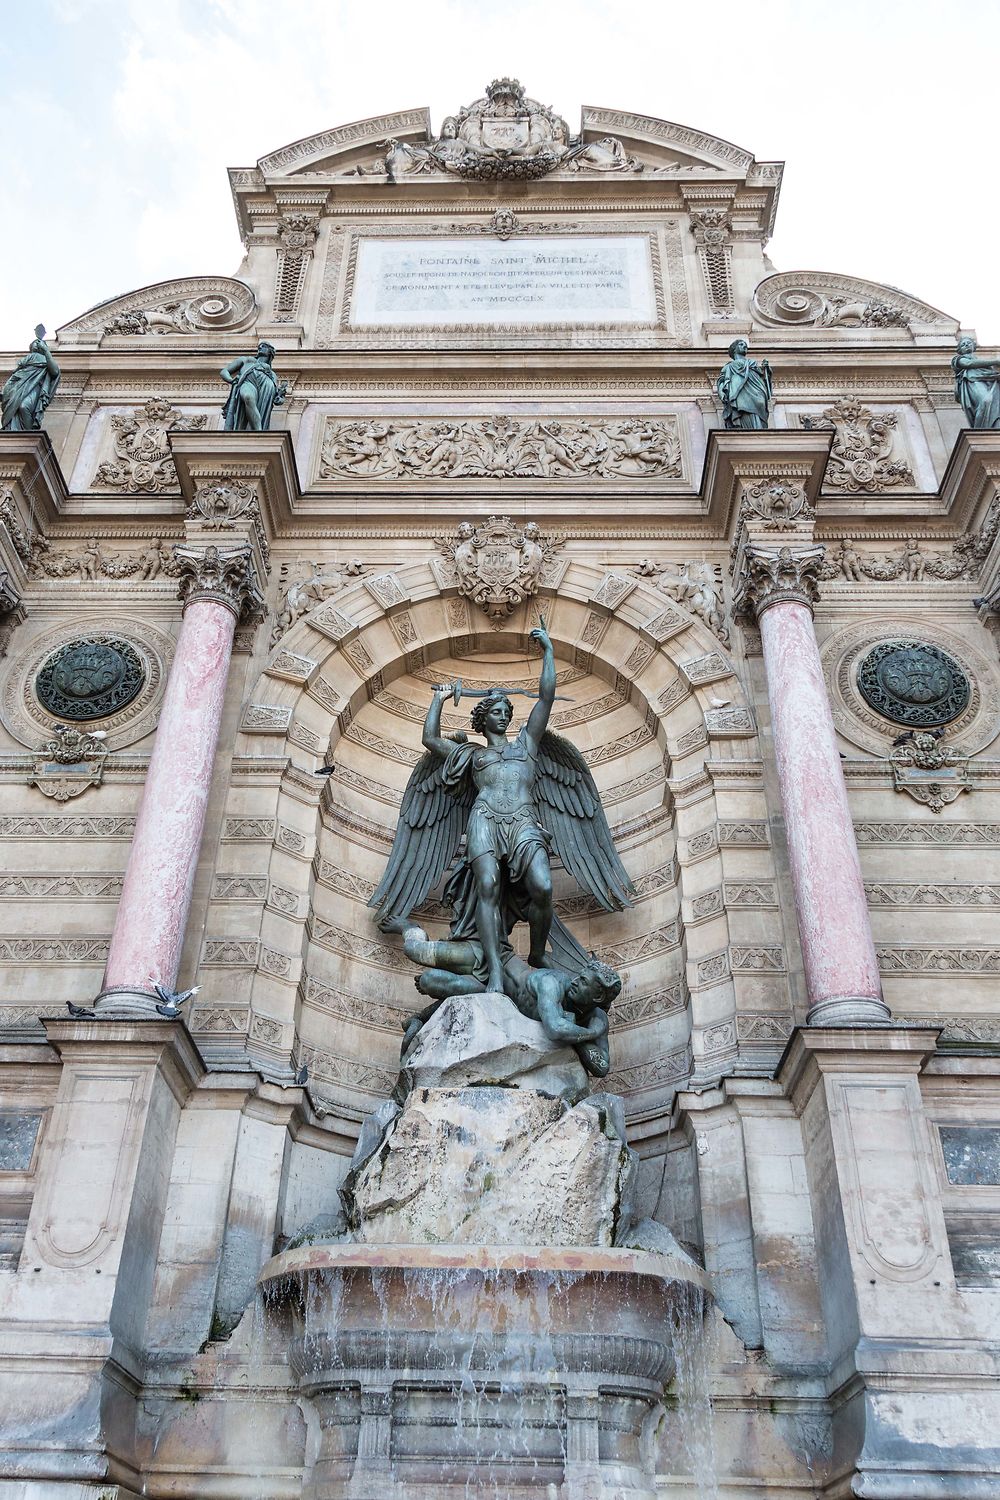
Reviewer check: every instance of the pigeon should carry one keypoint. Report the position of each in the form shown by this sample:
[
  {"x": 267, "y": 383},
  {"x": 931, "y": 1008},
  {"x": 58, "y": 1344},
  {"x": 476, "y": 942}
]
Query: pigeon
[
  {"x": 325, "y": 771},
  {"x": 302, "y": 1076},
  {"x": 171, "y": 1002},
  {"x": 79, "y": 1012}
]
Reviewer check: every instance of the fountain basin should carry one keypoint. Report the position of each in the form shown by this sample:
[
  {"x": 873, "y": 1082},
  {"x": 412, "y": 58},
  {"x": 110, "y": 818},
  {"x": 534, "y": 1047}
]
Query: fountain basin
[{"x": 437, "y": 1371}]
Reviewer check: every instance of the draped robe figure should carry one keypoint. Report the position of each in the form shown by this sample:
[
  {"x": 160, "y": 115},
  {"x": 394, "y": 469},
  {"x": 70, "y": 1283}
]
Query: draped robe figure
[
  {"x": 29, "y": 389},
  {"x": 255, "y": 392},
  {"x": 977, "y": 386},
  {"x": 514, "y": 800},
  {"x": 744, "y": 387}
]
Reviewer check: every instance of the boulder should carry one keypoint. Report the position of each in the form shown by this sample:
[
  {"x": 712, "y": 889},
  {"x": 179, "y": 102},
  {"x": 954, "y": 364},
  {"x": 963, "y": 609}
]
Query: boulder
[
  {"x": 492, "y": 1166},
  {"x": 484, "y": 1039}
]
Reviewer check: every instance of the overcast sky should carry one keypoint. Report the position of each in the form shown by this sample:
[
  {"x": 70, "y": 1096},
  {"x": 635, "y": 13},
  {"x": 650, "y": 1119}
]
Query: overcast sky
[{"x": 121, "y": 117}]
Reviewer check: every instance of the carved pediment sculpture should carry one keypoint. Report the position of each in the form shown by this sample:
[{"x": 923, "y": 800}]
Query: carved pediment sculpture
[
  {"x": 506, "y": 135},
  {"x": 143, "y": 464},
  {"x": 824, "y": 299},
  {"x": 498, "y": 564},
  {"x": 189, "y": 305}
]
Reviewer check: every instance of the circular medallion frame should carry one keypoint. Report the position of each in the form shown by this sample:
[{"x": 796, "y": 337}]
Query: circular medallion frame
[
  {"x": 914, "y": 683},
  {"x": 25, "y": 715},
  {"x": 93, "y": 677},
  {"x": 843, "y": 652}
]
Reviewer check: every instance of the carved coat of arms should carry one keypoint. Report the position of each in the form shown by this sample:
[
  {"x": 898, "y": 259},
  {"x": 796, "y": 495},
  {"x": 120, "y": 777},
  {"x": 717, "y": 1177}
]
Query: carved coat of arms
[{"x": 497, "y": 564}]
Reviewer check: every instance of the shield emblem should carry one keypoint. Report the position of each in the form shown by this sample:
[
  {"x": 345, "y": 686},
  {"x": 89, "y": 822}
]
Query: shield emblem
[
  {"x": 505, "y": 134},
  {"x": 89, "y": 671},
  {"x": 914, "y": 676},
  {"x": 499, "y": 565}
]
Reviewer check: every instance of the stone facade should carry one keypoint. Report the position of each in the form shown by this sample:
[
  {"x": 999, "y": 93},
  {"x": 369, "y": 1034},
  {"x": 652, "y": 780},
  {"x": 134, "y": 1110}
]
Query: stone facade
[{"x": 745, "y": 625}]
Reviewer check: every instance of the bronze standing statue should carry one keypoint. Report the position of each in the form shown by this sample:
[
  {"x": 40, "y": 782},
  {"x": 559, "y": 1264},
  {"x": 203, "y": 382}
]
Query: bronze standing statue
[
  {"x": 514, "y": 800},
  {"x": 977, "y": 386},
  {"x": 745, "y": 387},
  {"x": 256, "y": 391},
  {"x": 30, "y": 387}
]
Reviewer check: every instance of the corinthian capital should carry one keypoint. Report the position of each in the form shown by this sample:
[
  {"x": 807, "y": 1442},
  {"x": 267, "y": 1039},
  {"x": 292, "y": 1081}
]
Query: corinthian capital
[
  {"x": 223, "y": 574},
  {"x": 777, "y": 575}
]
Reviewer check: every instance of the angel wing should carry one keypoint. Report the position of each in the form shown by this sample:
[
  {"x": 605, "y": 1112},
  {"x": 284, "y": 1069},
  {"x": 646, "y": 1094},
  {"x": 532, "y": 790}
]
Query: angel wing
[
  {"x": 432, "y": 819},
  {"x": 571, "y": 810}
]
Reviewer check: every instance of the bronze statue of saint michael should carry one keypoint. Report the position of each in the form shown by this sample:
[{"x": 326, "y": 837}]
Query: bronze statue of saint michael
[{"x": 515, "y": 800}]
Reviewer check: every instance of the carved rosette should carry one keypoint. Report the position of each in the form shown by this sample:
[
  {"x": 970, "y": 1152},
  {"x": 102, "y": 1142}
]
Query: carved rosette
[
  {"x": 224, "y": 575},
  {"x": 777, "y": 576}
]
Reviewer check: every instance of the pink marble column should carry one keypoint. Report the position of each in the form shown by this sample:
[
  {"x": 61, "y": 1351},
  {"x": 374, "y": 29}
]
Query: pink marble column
[
  {"x": 838, "y": 951},
  {"x": 156, "y": 895}
]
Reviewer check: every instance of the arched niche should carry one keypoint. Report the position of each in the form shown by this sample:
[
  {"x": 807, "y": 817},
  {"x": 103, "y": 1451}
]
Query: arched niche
[{"x": 350, "y": 682}]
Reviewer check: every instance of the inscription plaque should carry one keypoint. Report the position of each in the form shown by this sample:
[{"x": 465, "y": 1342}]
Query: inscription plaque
[{"x": 585, "y": 279}]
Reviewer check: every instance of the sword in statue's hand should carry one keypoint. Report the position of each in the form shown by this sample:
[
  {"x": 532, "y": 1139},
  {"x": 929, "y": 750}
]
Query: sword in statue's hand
[{"x": 458, "y": 692}]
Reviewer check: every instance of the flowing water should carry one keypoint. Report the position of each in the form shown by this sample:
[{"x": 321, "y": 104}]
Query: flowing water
[{"x": 471, "y": 1364}]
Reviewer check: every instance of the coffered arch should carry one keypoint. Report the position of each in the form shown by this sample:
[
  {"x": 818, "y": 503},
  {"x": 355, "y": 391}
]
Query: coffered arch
[{"x": 655, "y": 696}]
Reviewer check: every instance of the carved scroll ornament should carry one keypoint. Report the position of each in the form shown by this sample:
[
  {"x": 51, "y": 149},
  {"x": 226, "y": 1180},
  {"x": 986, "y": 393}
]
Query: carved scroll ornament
[{"x": 824, "y": 299}]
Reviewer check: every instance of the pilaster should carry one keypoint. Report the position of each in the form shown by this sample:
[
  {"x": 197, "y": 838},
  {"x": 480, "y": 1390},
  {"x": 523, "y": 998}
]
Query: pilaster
[
  {"x": 90, "y": 1250},
  {"x": 900, "y": 1335}
]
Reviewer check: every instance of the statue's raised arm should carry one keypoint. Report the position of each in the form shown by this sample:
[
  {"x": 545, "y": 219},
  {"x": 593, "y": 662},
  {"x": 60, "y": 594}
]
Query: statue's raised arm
[{"x": 539, "y": 717}]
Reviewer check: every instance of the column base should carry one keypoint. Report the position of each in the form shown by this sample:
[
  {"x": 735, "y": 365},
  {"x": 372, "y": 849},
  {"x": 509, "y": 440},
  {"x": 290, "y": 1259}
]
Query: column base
[
  {"x": 849, "y": 1010},
  {"x": 123, "y": 1003}
]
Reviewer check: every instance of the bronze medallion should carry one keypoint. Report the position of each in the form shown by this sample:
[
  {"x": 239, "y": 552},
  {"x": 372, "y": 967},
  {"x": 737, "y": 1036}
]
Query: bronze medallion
[
  {"x": 913, "y": 683},
  {"x": 89, "y": 678}
]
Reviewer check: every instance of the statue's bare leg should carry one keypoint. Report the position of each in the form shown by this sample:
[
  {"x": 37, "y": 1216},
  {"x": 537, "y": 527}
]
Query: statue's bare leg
[
  {"x": 486, "y": 870},
  {"x": 538, "y": 883},
  {"x": 248, "y": 396}
]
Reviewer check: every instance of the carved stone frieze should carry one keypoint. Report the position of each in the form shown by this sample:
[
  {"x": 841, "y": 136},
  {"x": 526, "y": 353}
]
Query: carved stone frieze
[
  {"x": 908, "y": 562},
  {"x": 502, "y": 447},
  {"x": 696, "y": 585},
  {"x": 497, "y": 564},
  {"x": 225, "y": 575},
  {"x": 143, "y": 464},
  {"x": 864, "y": 456},
  {"x": 924, "y": 893},
  {"x": 781, "y": 575},
  {"x": 939, "y": 960},
  {"x": 971, "y": 835},
  {"x": 91, "y": 562}
]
